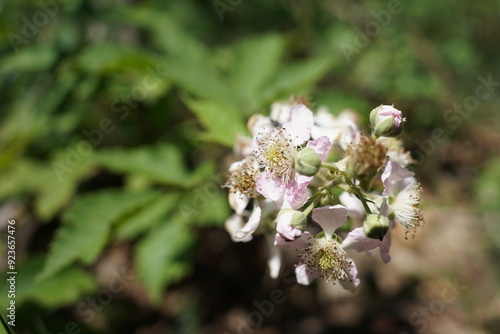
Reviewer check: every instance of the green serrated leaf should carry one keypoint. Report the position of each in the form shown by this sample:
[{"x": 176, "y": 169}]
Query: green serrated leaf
[
  {"x": 112, "y": 57},
  {"x": 204, "y": 208},
  {"x": 257, "y": 60},
  {"x": 24, "y": 176},
  {"x": 158, "y": 256},
  {"x": 297, "y": 77},
  {"x": 86, "y": 227},
  {"x": 64, "y": 288},
  {"x": 58, "y": 186},
  {"x": 189, "y": 63},
  {"x": 146, "y": 218},
  {"x": 29, "y": 59},
  {"x": 162, "y": 163},
  {"x": 221, "y": 121}
]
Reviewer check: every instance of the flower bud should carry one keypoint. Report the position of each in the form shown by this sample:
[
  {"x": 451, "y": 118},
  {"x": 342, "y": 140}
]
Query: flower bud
[
  {"x": 386, "y": 121},
  {"x": 290, "y": 224},
  {"x": 376, "y": 226},
  {"x": 307, "y": 162}
]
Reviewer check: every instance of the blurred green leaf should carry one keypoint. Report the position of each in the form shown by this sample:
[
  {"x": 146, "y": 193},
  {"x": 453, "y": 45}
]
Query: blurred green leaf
[
  {"x": 22, "y": 177},
  {"x": 86, "y": 226},
  {"x": 64, "y": 288},
  {"x": 61, "y": 180},
  {"x": 161, "y": 163},
  {"x": 222, "y": 122},
  {"x": 488, "y": 188},
  {"x": 158, "y": 255},
  {"x": 148, "y": 217},
  {"x": 188, "y": 62},
  {"x": 29, "y": 59},
  {"x": 297, "y": 77},
  {"x": 256, "y": 61},
  {"x": 111, "y": 57},
  {"x": 202, "y": 207}
]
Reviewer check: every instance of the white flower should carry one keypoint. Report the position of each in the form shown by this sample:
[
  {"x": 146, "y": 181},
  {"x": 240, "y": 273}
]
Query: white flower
[
  {"x": 324, "y": 257},
  {"x": 403, "y": 197},
  {"x": 341, "y": 130},
  {"x": 395, "y": 151}
]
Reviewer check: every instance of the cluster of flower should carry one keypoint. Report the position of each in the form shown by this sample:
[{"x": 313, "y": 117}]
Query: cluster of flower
[{"x": 299, "y": 164}]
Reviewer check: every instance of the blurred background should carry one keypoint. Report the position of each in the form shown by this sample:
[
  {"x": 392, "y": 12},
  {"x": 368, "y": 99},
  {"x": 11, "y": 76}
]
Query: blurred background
[{"x": 117, "y": 120}]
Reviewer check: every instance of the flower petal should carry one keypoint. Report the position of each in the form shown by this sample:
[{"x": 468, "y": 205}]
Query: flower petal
[
  {"x": 353, "y": 205},
  {"x": 302, "y": 241},
  {"x": 251, "y": 225},
  {"x": 270, "y": 185},
  {"x": 305, "y": 276},
  {"x": 284, "y": 224},
  {"x": 353, "y": 282},
  {"x": 300, "y": 124},
  {"x": 274, "y": 261},
  {"x": 357, "y": 240},
  {"x": 321, "y": 145},
  {"x": 330, "y": 218},
  {"x": 238, "y": 201},
  {"x": 233, "y": 224},
  {"x": 296, "y": 194},
  {"x": 395, "y": 178}
]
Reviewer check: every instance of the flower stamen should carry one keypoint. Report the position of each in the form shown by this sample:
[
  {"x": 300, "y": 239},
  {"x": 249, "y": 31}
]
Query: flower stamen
[
  {"x": 275, "y": 153},
  {"x": 328, "y": 258}
]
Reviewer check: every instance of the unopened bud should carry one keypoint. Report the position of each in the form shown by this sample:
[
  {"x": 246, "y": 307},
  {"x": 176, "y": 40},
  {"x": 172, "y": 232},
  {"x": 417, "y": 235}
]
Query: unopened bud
[
  {"x": 290, "y": 224},
  {"x": 307, "y": 162},
  {"x": 376, "y": 226},
  {"x": 386, "y": 121}
]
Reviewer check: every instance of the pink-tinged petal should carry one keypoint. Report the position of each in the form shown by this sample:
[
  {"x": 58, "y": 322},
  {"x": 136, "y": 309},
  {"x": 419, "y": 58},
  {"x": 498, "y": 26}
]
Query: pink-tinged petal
[
  {"x": 251, "y": 225},
  {"x": 385, "y": 208},
  {"x": 296, "y": 194},
  {"x": 330, "y": 218},
  {"x": 270, "y": 185},
  {"x": 300, "y": 242},
  {"x": 353, "y": 282},
  {"x": 304, "y": 275},
  {"x": 321, "y": 145},
  {"x": 301, "y": 179},
  {"x": 353, "y": 205},
  {"x": 384, "y": 248},
  {"x": 300, "y": 124},
  {"x": 357, "y": 240},
  {"x": 395, "y": 178},
  {"x": 284, "y": 224},
  {"x": 274, "y": 261}
]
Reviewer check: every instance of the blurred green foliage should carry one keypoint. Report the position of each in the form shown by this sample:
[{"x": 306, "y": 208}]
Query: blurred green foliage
[{"x": 116, "y": 115}]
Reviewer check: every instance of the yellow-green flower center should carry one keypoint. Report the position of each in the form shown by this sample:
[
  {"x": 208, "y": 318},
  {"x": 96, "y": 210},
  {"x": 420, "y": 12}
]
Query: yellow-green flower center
[
  {"x": 275, "y": 152},
  {"x": 328, "y": 258}
]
